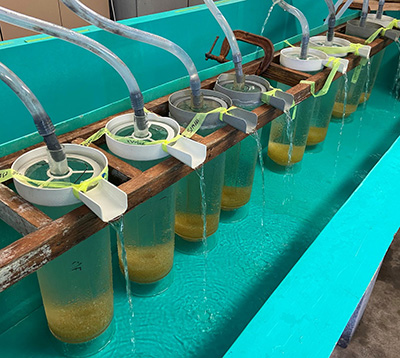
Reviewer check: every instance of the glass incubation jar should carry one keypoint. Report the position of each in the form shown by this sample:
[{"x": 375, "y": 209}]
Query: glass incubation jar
[
  {"x": 241, "y": 159},
  {"x": 149, "y": 241},
  {"x": 288, "y": 137},
  {"x": 76, "y": 287},
  {"x": 148, "y": 230},
  {"x": 348, "y": 97},
  {"x": 77, "y": 291},
  {"x": 374, "y": 70},
  {"x": 198, "y": 195},
  {"x": 321, "y": 115}
]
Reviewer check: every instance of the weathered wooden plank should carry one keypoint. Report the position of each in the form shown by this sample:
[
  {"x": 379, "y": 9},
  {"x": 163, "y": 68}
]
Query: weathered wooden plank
[
  {"x": 285, "y": 75},
  {"x": 373, "y": 5},
  {"x": 20, "y": 214}
]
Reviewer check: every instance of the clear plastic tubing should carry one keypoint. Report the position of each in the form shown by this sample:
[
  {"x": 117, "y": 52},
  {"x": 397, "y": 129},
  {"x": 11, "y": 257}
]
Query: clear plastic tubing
[
  {"x": 331, "y": 22},
  {"x": 42, "y": 121},
  {"x": 116, "y": 28},
  {"x": 343, "y": 9},
  {"x": 236, "y": 55},
  {"x": 380, "y": 9},
  {"x": 304, "y": 27},
  {"x": 136, "y": 97},
  {"x": 364, "y": 13}
]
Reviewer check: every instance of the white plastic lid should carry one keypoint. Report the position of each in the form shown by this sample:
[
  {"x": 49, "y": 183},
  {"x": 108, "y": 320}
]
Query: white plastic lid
[
  {"x": 290, "y": 58},
  {"x": 384, "y": 21},
  {"x": 186, "y": 150},
  {"x": 320, "y": 41}
]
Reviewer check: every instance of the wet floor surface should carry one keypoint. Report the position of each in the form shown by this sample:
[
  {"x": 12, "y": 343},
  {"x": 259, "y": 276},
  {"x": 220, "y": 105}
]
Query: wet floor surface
[{"x": 378, "y": 335}]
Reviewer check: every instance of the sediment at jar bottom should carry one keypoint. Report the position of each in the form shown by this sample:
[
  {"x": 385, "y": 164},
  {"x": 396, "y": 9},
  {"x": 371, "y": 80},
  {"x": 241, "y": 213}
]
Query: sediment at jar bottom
[
  {"x": 316, "y": 135},
  {"x": 80, "y": 321},
  {"x": 365, "y": 97},
  {"x": 148, "y": 264},
  {"x": 190, "y": 226},
  {"x": 279, "y": 153},
  {"x": 235, "y": 197},
  {"x": 338, "y": 109}
]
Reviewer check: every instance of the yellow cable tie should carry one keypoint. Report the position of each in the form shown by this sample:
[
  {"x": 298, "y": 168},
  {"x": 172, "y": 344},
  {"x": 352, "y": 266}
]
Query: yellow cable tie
[{"x": 288, "y": 43}]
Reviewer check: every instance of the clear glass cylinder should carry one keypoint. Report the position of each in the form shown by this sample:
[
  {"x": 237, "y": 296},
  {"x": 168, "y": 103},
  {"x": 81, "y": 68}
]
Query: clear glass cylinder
[
  {"x": 77, "y": 290},
  {"x": 375, "y": 66},
  {"x": 355, "y": 87},
  {"x": 285, "y": 131},
  {"x": 321, "y": 115},
  {"x": 149, "y": 238},
  {"x": 240, "y": 166},
  {"x": 188, "y": 219}
]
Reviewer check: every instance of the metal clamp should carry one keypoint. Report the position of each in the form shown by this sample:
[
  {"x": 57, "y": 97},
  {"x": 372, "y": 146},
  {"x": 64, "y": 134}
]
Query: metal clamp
[{"x": 250, "y": 38}]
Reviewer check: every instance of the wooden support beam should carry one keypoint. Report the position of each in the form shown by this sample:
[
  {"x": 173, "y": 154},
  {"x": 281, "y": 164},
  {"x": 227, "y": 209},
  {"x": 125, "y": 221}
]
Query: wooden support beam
[{"x": 20, "y": 214}]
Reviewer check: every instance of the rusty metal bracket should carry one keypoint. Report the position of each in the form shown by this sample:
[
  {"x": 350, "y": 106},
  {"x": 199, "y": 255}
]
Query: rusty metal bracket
[{"x": 250, "y": 38}]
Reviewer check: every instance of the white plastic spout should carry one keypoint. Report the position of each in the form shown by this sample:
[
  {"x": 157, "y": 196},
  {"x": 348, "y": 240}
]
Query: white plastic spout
[
  {"x": 365, "y": 51},
  {"x": 342, "y": 66},
  {"x": 188, "y": 152},
  {"x": 31, "y": 23},
  {"x": 242, "y": 120},
  {"x": 106, "y": 200},
  {"x": 120, "y": 29},
  {"x": 304, "y": 27},
  {"x": 236, "y": 54}
]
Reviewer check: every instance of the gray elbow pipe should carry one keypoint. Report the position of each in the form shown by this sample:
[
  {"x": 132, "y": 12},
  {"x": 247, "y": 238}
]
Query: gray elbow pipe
[
  {"x": 380, "y": 9},
  {"x": 42, "y": 121}
]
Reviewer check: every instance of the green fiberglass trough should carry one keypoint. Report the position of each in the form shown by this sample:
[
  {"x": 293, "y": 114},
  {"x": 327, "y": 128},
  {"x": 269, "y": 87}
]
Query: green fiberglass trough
[{"x": 265, "y": 290}]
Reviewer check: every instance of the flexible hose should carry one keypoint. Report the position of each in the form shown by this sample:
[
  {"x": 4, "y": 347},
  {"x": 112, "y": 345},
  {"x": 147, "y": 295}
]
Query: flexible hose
[
  {"x": 380, "y": 9},
  {"x": 116, "y": 28},
  {"x": 343, "y": 9},
  {"x": 136, "y": 97},
  {"x": 42, "y": 121},
  {"x": 331, "y": 22},
  {"x": 236, "y": 55},
  {"x": 304, "y": 27},
  {"x": 364, "y": 13}
]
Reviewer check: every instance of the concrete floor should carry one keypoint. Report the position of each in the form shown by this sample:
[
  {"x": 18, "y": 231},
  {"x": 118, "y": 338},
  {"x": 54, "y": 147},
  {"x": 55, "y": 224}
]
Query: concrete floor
[{"x": 378, "y": 335}]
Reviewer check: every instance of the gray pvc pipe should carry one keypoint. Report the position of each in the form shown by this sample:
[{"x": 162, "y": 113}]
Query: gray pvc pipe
[
  {"x": 31, "y": 23},
  {"x": 304, "y": 27},
  {"x": 236, "y": 55},
  {"x": 116, "y": 28},
  {"x": 364, "y": 13},
  {"x": 42, "y": 121},
  {"x": 380, "y": 9},
  {"x": 331, "y": 22}
]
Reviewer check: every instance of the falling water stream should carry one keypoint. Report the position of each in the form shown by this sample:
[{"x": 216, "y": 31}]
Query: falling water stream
[
  {"x": 274, "y": 2},
  {"x": 118, "y": 226},
  {"x": 288, "y": 176},
  {"x": 203, "y": 313},
  {"x": 396, "y": 84},
  {"x": 257, "y": 138},
  {"x": 364, "y": 106},
  {"x": 346, "y": 89}
]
